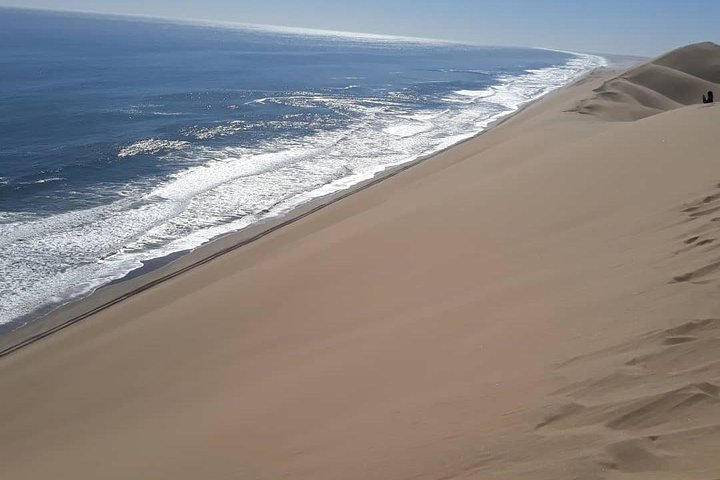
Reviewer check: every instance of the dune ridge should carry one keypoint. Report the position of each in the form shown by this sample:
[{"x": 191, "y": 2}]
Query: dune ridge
[
  {"x": 537, "y": 303},
  {"x": 671, "y": 81}
]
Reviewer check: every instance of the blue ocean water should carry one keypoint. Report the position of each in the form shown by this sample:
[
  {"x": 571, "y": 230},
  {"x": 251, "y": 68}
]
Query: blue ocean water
[{"x": 124, "y": 140}]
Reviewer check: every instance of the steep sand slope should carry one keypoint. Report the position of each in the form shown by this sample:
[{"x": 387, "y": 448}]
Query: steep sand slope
[
  {"x": 671, "y": 81},
  {"x": 537, "y": 303}
]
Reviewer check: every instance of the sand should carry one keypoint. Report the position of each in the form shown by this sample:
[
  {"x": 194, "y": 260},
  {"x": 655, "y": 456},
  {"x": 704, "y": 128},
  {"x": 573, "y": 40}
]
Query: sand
[
  {"x": 671, "y": 81},
  {"x": 539, "y": 302}
]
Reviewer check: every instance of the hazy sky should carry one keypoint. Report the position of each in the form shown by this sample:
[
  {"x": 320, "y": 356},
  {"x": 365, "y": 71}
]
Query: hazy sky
[{"x": 642, "y": 27}]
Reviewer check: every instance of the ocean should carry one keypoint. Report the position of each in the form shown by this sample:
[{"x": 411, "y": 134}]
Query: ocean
[{"x": 124, "y": 140}]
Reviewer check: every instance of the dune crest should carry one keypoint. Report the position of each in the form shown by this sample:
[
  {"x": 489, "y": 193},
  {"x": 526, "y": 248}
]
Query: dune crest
[{"x": 674, "y": 80}]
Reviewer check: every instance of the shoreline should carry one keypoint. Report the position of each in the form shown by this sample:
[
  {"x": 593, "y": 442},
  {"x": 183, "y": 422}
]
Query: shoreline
[
  {"x": 13, "y": 337},
  {"x": 536, "y": 303}
]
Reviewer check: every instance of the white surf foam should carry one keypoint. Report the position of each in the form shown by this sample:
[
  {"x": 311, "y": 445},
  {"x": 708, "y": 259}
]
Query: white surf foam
[
  {"x": 223, "y": 130},
  {"x": 152, "y": 146}
]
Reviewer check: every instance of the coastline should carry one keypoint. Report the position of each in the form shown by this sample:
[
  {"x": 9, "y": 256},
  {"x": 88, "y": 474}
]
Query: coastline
[
  {"x": 14, "y": 337},
  {"x": 172, "y": 174},
  {"x": 536, "y": 303}
]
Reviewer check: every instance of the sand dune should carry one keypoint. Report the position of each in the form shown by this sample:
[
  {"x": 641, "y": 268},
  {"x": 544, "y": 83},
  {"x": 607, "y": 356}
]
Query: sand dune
[
  {"x": 537, "y": 303},
  {"x": 671, "y": 81}
]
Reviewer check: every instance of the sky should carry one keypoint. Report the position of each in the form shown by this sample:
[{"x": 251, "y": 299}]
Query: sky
[{"x": 631, "y": 27}]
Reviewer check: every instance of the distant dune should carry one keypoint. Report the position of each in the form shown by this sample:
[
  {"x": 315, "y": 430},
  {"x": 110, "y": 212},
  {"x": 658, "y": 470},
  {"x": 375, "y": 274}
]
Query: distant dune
[{"x": 671, "y": 81}]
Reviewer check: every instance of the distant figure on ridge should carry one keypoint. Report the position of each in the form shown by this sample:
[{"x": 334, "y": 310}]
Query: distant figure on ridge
[{"x": 710, "y": 97}]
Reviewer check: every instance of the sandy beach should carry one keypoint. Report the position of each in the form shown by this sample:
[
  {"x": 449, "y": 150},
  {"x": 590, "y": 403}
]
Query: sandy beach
[{"x": 538, "y": 302}]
